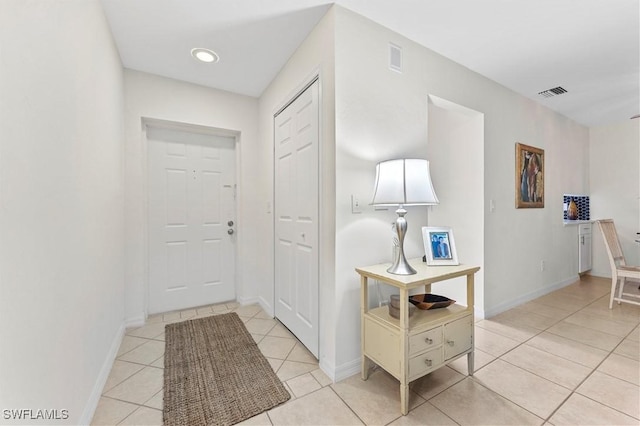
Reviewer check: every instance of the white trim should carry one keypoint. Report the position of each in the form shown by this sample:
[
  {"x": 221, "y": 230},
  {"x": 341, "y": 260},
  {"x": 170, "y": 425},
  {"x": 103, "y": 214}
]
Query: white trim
[
  {"x": 246, "y": 300},
  {"x": 328, "y": 369},
  {"x": 296, "y": 92},
  {"x": 342, "y": 371},
  {"x": 452, "y": 106},
  {"x": 505, "y": 306},
  {"x": 608, "y": 277},
  {"x": 136, "y": 321},
  {"x": 265, "y": 307},
  {"x": 101, "y": 380},
  {"x": 188, "y": 127}
]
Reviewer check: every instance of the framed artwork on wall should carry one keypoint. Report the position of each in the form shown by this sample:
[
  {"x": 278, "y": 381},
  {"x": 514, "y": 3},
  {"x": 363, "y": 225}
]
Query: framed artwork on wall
[
  {"x": 529, "y": 176},
  {"x": 439, "y": 245}
]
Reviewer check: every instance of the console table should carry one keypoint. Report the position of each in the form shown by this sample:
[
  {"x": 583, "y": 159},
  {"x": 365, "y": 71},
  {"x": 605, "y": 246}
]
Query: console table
[{"x": 409, "y": 348}]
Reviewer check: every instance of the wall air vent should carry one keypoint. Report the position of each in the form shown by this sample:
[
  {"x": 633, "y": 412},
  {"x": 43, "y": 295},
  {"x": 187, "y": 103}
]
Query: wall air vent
[
  {"x": 395, "y": 57},
  {"x": 552, "y": 92}
]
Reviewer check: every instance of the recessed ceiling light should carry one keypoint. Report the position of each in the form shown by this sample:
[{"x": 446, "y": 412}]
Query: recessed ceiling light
[{"x": 205, "y": 55}]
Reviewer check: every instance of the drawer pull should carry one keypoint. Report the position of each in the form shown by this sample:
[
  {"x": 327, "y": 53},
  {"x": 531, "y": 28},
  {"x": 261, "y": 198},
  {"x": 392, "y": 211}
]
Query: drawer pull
[
  {"x": 451, "y": 343},
  {"x": 428, "y": 341},
  {"x": 428, "y": 362}
]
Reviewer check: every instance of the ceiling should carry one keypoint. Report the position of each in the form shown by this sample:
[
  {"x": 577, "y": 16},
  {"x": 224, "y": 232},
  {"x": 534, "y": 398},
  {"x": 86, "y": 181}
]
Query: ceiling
[{"x": 591, "y": 48}]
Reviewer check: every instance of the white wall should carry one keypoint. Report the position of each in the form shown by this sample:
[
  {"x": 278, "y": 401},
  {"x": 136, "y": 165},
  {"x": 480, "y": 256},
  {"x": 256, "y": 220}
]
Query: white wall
[
  {"x": 61, "y": 206},
  {"x": 615, "y": 189},
  {"x": 381, "y": 114},
  {"x": 314, "y": 56},
  {"x": 160, "y": 98}
]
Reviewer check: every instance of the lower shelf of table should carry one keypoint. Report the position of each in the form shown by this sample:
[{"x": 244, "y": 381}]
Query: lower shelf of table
[{"x": 428, "y": 347}]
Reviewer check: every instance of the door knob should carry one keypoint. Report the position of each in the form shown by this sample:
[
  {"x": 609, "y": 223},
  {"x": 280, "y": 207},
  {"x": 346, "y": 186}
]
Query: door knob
[
  {"x": 230, "y": 231},
  {"x": 230, "y": 223}
]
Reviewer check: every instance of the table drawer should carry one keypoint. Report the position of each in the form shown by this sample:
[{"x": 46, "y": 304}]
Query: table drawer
[
  {"x": 458, "y": 336},
  {"x": 425, "y": 362},
  {"x": 425, "y": 340}
]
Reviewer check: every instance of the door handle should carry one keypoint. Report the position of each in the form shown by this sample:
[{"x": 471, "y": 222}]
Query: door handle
[
  {"x": 230, "y": 231},
  {"x": 230, "y": 223}
]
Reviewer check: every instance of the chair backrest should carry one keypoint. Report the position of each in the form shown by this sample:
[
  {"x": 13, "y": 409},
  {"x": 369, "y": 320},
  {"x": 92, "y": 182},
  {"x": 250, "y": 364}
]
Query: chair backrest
[{"x": 614, "y": 250}]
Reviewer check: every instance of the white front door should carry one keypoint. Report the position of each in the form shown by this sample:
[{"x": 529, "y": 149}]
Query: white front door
[
  {"x": 296, "y": 217},
  {"x": 191, "y": 212}
]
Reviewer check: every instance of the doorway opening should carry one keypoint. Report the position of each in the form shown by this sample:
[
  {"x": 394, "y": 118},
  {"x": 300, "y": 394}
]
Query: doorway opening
[{"x": 455, "y": 149}]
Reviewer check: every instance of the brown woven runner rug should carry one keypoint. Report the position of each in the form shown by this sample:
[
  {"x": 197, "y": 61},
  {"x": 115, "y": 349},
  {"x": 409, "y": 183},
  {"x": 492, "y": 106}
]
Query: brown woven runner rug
[{"x": 214, "y": 373}]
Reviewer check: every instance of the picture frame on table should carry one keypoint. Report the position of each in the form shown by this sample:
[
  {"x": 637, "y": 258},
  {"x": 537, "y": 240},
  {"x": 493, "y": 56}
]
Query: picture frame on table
[{"x": 439, "y": 245}]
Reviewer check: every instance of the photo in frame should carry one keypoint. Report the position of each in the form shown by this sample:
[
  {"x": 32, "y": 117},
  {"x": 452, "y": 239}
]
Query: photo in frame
[
  {"x": 529, "y": 176},
  {"x": 439, "y": 245}
]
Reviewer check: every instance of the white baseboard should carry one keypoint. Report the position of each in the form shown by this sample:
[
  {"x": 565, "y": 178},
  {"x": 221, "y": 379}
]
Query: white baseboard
[
  {"x": 598, "y": 275},
  {"x": 328, "y": 369},
  {"x": 341, "y": 372},
  {"x": 505, "y": 306},
  {"x": 137, "y": 321},
  {"x": 96, "y": 392},
  {"x": 348, "y": 369},
  {"x": 266, "y": 306},
  {"x": 247, "y": 301}
]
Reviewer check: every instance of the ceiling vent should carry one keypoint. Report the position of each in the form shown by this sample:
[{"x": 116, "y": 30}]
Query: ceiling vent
[{"x": 552, "y": 92}]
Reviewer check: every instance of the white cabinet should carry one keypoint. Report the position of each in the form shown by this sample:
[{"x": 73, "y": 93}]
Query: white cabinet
[
  {"x": 584, "y": 247},
  {"x": 410, "y": 347}
]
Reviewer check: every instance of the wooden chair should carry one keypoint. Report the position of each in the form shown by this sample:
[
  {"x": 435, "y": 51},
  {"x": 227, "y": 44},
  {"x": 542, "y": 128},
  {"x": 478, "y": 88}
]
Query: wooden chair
[{"x": 619, "y": 269}]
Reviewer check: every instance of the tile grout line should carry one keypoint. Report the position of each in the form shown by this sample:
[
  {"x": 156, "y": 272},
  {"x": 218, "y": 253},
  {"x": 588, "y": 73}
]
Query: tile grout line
[
  {"x": 138, "y": 406},
  {"x": 525, "y": 342},
  {"x": 547, "y": 330},
  {"x": 530, "y": 338},
  {"x": 574, "y": 390},
  {"x": 148, "y": 339},
  {"x": 346, "y": 404},
  {"x": 542, "y": 350},
  {"x": 448, "y": 387},
  {"x": 506, "y": 399},
  {"x": 134, "y": 411},
  {"x": 594, "y": 369}
]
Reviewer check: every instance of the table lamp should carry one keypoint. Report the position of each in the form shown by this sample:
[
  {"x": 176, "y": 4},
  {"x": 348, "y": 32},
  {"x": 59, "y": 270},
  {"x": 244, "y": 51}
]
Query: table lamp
[{"x": 405, "y": 182}]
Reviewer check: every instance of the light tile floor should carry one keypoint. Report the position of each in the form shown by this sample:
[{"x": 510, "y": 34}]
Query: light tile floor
[{"x": 562, "y": 359}]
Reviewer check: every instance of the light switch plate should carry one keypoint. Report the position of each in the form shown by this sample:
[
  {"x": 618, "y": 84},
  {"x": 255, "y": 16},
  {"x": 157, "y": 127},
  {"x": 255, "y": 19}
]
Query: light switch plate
[{"x": 355, "y": 205}]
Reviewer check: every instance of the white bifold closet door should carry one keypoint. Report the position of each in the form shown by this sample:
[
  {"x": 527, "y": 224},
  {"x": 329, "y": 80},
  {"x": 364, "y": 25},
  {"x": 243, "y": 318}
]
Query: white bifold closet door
[{"x": 296, "y": 217}]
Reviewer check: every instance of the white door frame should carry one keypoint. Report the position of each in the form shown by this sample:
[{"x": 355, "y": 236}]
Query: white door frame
[
  {"x": 316, "y": 75},
  {"x": 189, "y": 128}
]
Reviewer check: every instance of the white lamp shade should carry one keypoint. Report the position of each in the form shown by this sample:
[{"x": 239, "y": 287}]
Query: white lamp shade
[{"x": 406, "y": 182}]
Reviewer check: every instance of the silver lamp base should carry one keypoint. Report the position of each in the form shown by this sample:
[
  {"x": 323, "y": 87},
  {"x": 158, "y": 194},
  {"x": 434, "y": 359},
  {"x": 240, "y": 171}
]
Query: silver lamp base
[{"x": 400, "y": 266}]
